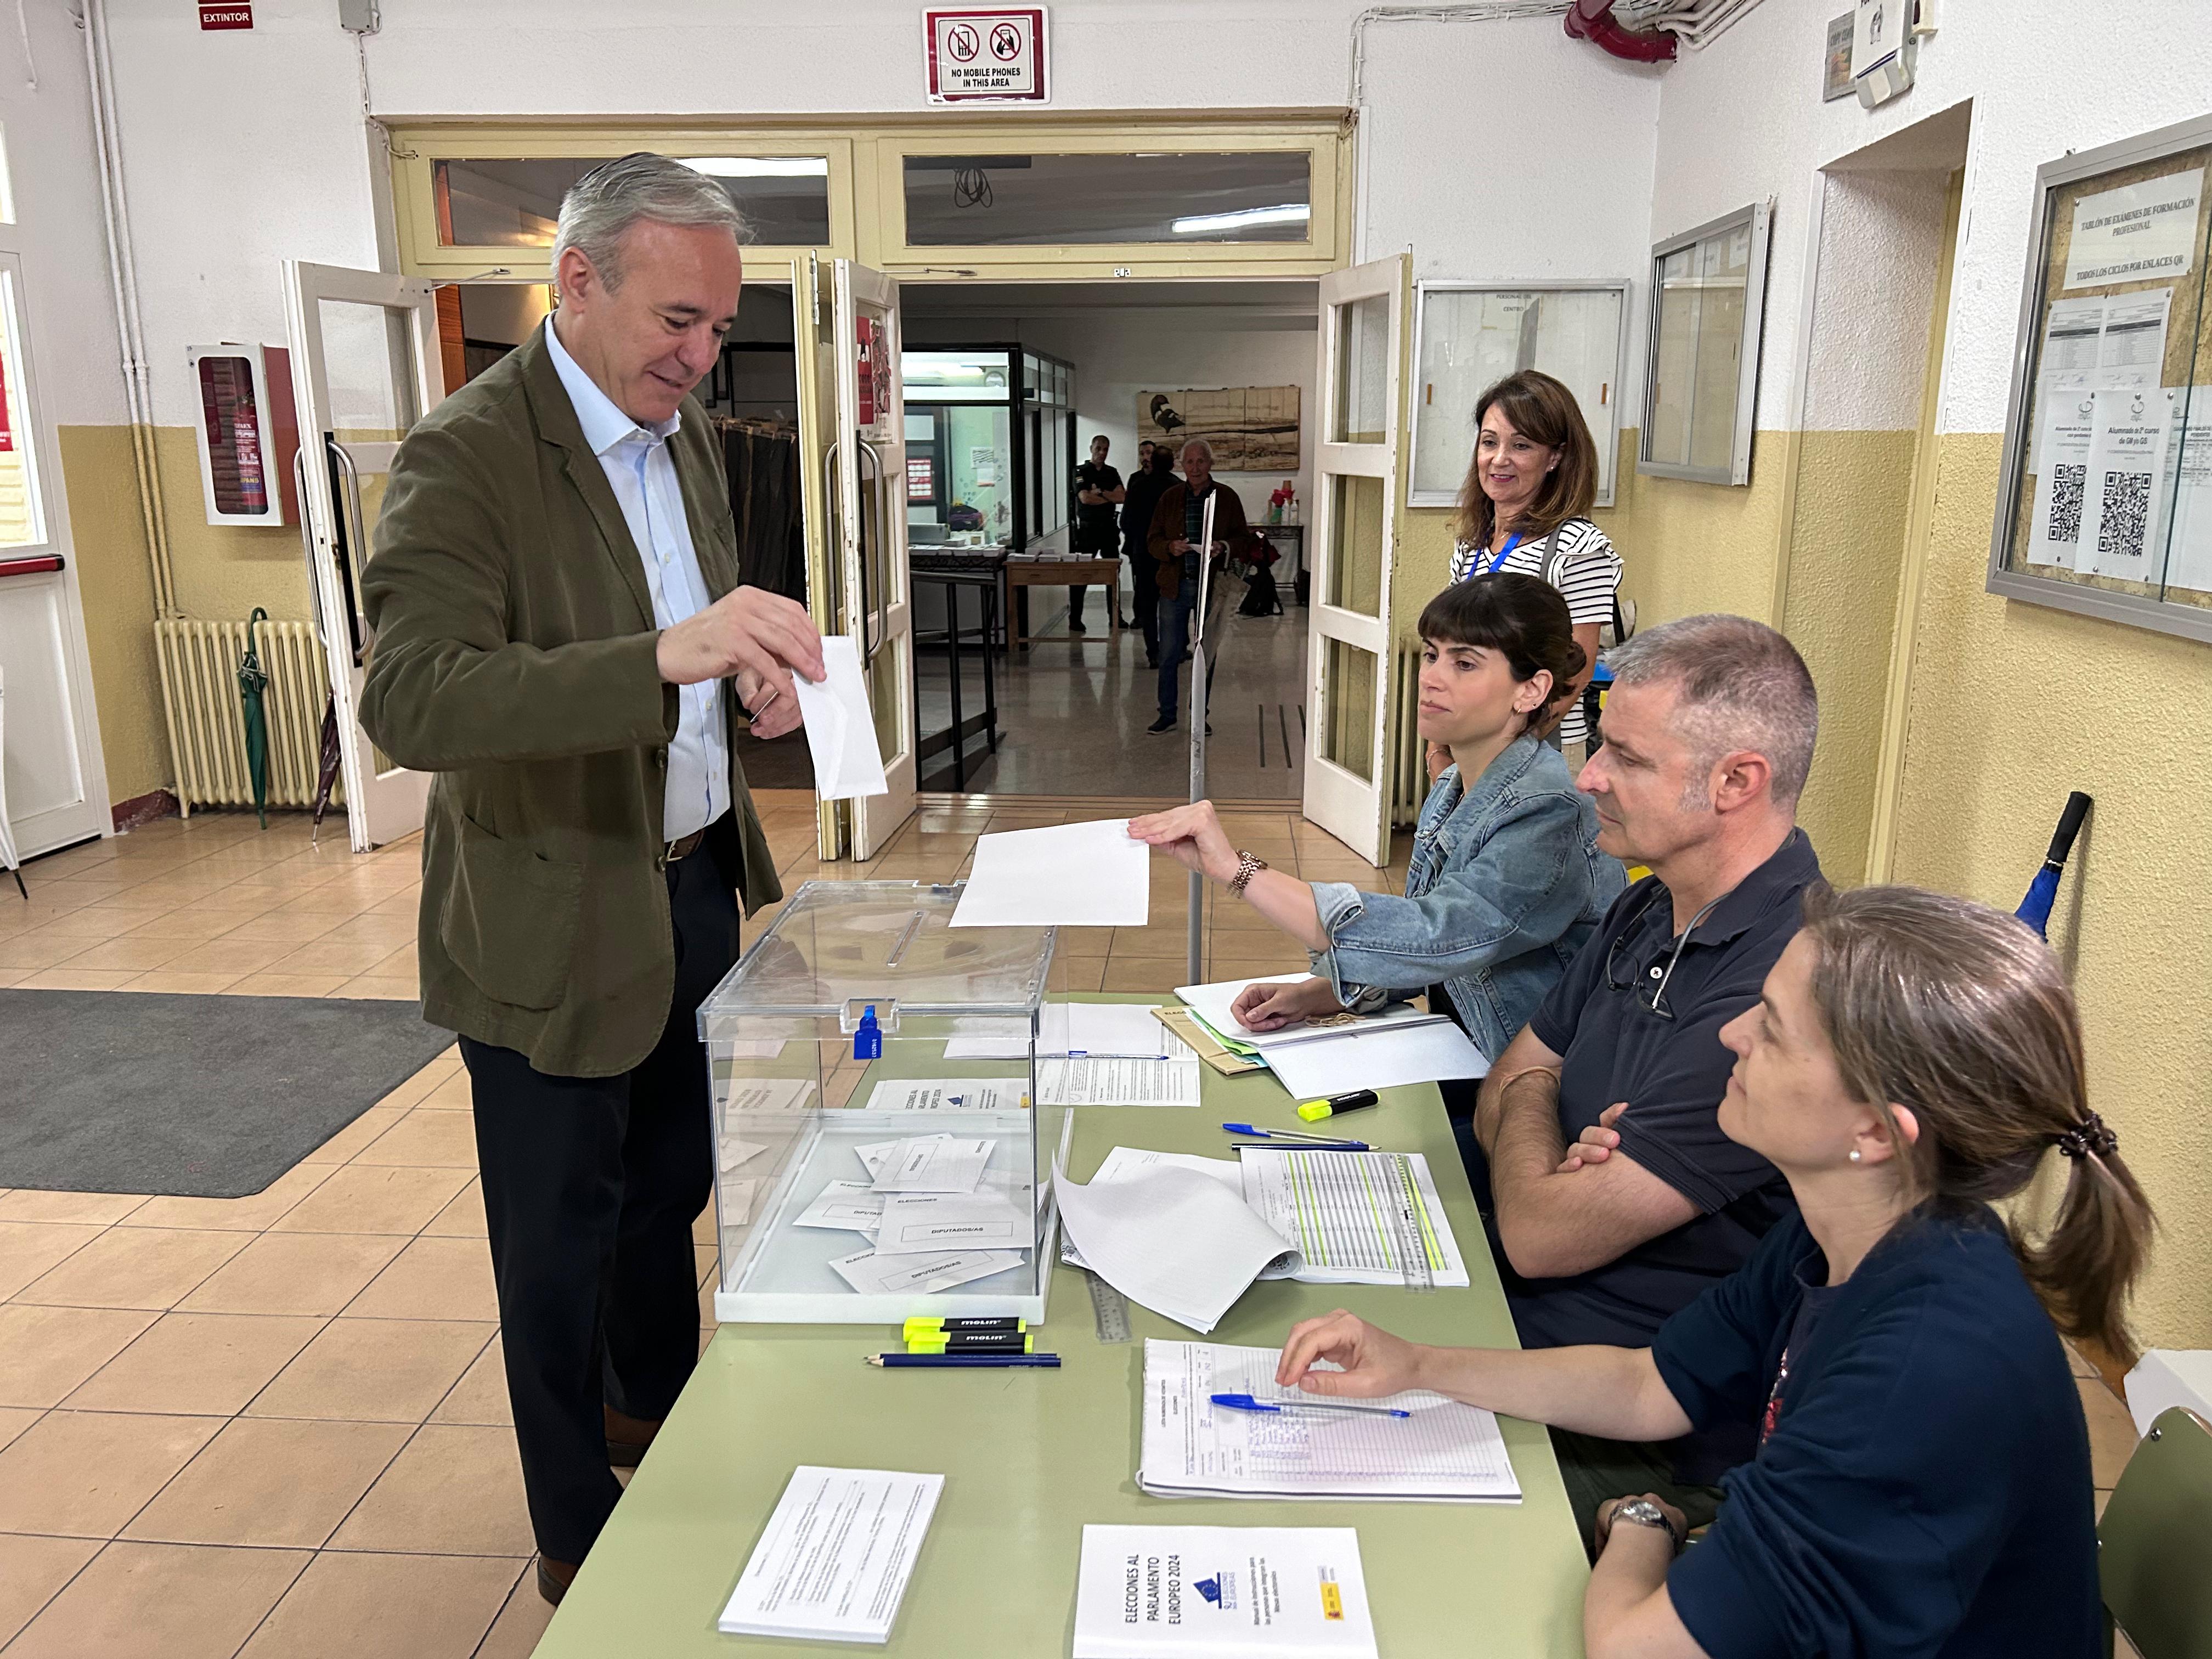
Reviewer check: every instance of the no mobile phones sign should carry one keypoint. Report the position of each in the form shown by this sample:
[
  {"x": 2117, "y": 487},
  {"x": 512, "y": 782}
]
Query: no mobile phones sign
[{"x": 985, "y": 57}]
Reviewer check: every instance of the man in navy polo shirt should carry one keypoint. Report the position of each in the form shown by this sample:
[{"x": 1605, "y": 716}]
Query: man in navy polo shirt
[{"x": 1706, "y": 740}]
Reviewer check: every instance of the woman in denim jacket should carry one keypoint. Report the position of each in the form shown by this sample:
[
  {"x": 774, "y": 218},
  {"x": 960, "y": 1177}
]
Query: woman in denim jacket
[{"x": 1505, "y": 881}]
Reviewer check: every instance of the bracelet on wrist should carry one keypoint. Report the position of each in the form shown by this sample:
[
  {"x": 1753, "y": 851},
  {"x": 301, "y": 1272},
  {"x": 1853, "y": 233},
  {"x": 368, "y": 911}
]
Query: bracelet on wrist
[{"x": 1248, "y": 865}]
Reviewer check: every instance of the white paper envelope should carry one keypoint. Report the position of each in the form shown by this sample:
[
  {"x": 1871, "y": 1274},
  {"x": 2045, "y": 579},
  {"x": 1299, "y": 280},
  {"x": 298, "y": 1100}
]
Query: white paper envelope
[{"x": 841, "y": 728}]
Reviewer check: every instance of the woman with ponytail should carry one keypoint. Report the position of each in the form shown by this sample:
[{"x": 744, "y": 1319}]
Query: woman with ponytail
[{"x": 1922, "y": 1485}]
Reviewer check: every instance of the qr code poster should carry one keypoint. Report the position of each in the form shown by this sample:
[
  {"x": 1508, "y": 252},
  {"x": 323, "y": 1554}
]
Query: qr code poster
[
  {"x": 2125, "y": 485},
  {"x": 2062, "y": 477},
  {"x": 1253, "y": 429}
]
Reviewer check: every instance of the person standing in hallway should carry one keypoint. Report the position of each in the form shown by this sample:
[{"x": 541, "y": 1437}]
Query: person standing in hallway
[
  {"x": 559, "y": 636},
  {"x": 1098, "y": 491},
  {"x": 1525, "y": 506},
  {"x": 1178, "y": 524},
  {"x": 1152, "y": 480}
]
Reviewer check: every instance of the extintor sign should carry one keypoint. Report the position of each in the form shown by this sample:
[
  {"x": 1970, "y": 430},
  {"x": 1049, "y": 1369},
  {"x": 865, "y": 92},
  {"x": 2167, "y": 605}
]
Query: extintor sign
[
  {"x": 985, "y": 57},
  {"x": 226, "y": 14}
]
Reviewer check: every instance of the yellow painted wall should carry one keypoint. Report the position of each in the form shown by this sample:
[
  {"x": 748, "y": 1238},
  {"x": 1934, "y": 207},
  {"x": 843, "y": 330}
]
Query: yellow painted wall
[
  {"x": 220, "y": 571},
  {"x": 109, "y": 546},
  {"x": 2013, "y": 705},
  {"x": 1846, "y": 546}
]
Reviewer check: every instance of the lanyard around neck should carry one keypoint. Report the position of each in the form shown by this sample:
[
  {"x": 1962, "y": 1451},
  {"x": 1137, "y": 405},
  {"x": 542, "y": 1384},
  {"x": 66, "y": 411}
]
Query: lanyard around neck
[{"x": 1504, "y": 552}]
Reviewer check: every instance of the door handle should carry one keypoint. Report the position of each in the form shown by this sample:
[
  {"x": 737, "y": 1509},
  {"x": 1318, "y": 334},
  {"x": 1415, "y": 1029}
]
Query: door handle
[
  {"x": 875, "y": 614},
  {"x": 357, "y": 544}
]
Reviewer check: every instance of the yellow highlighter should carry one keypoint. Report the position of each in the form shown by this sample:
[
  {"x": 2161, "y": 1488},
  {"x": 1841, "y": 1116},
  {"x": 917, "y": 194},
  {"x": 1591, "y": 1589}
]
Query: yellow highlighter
[{"x": 1314, "y": 1110}]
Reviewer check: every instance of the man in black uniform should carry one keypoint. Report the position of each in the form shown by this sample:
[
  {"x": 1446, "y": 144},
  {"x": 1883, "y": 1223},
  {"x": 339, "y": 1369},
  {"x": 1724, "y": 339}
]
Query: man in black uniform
[{"x": 1097, "y": 492}]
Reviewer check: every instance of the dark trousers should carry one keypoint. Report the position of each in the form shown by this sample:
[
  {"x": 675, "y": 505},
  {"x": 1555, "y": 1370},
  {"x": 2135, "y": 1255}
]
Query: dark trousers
[
  {"x": 590, "y": 1187},
  {"x": 1144, "y": 596},
  {"x": 1175, "y": 617}
]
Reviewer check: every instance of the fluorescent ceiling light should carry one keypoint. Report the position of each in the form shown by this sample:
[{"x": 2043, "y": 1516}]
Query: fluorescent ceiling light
[
  {"x": 1296, "y": 213},
  {"x": 759, "y": 167}
]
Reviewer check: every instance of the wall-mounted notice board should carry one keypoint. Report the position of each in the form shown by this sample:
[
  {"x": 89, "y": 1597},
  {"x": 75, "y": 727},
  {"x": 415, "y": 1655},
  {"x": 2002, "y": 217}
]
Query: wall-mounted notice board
[{"x": 2105, "y": 502}]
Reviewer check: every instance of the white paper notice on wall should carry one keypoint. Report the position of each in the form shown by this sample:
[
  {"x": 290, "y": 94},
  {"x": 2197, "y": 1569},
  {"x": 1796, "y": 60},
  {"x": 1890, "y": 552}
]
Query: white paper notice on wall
[
  {"x": 2123, "y": 514},
  {"x": 841, "y": 729},
  {"x": 2189, "y": 468},
  {"x": 2136, "y": 233},
  {"x": 2062, "y": 473}
]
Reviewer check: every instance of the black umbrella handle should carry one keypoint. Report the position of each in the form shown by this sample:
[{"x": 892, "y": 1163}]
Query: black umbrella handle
[{"x": 2069, "y": 826}]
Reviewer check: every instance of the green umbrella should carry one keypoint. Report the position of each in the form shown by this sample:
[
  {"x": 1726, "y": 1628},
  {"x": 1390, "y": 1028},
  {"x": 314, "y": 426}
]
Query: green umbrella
[{"x": 252, "y": 682}]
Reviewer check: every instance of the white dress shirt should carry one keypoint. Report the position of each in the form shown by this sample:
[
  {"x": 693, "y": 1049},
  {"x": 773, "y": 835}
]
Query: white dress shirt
[{"x": 644, "y": 476}]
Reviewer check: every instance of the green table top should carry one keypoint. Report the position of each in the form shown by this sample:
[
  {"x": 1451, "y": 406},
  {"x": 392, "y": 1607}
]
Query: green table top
[{"x": 1029, "y": 1456}]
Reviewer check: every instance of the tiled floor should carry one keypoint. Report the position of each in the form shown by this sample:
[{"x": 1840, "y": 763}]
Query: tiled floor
[{"x": 275, "y": 1427}]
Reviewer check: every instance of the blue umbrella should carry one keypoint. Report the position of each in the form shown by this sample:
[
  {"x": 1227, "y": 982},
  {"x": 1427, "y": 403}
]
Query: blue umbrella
[{"x": 2035, "y": 908}]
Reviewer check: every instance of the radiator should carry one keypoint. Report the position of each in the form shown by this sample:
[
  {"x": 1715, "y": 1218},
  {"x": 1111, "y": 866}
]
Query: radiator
[
  {"x": 207, "y": 717},
  {"x": 1409, "y": 776}
]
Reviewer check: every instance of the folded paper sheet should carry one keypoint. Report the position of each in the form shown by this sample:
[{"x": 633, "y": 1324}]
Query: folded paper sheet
[
  {"x": 1066, "y": 875},
  {"x": 841, "y": 729},
  {"x": 1182, "y": 1243}
]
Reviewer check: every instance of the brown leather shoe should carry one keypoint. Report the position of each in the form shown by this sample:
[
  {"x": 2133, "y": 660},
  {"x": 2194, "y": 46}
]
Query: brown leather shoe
[
  {"x": 553, "y": 1578},
  {"x": 628, "y": 1437}
]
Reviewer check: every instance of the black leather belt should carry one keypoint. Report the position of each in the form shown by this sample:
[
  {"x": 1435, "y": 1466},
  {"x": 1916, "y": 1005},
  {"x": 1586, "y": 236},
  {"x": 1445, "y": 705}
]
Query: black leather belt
[{"x": 686, "y": 846}]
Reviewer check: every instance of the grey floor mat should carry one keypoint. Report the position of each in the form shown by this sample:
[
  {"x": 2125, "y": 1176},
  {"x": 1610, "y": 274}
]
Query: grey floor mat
[{"x": 194, "y": 1097}]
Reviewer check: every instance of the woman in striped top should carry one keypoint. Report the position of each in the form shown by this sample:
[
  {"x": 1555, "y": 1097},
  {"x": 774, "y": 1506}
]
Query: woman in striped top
[{"x": 1524, "y": 507}]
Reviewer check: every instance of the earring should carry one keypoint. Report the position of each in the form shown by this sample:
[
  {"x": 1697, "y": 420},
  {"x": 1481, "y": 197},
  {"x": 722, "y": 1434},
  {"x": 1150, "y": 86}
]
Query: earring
[{"x": 1854, "y": 1157}]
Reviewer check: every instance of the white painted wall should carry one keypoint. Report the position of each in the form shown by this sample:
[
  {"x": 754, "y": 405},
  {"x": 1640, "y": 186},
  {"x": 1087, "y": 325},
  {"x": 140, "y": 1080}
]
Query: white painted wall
[
  {"x": 1120, "y": 353},
  {"x": 1743, "y": 119},
  {"x": 55, "y": 180}
]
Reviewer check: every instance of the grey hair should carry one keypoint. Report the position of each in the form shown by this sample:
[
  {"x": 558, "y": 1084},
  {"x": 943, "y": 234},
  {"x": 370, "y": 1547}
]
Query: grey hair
[
  {"x": 601, "y": 206},
  {"x": 1742, "y": 686},
  {"x": 1198, "y": 443}
]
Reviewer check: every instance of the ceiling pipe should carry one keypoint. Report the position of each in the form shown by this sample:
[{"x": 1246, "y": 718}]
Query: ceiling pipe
[{"x": 1593, "y": 20}]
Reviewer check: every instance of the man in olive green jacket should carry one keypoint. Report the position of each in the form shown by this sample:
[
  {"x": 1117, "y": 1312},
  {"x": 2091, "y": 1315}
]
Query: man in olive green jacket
[{"x": 556, "y": 613}]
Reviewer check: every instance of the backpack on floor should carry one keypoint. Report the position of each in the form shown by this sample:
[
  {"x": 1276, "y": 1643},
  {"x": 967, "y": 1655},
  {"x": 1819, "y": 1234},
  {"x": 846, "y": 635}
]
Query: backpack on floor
[{"x": 1262, "y": 597}]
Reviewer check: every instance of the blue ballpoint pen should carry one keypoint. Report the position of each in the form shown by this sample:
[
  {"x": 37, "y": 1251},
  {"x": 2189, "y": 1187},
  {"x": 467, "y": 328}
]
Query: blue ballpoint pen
[
  {"x": 1245, "y": 1402},
  {"x": 1329, "y": 1143}
]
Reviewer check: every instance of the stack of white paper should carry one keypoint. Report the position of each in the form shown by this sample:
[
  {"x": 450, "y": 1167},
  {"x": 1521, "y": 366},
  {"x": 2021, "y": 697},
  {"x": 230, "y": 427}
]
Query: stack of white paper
[
  {"x": 1178, "y": 1241},
  {"x": 1025, "y": 878},
  {"x": 1191, "y": 1592},
  {"x": 1398, "y": 1046},
  {"x": 833, "y": 1563},
  {"x": 1353, "y": 1216},
  {"x": 1445, "y": 1452}
]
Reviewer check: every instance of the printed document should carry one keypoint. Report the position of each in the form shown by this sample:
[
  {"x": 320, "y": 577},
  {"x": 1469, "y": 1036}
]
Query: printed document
[
  {"x": 949, "y": 1094},
  {"x": 767, "y": 1094},
  {"x": 841, "y": 730},
  {"x": 1118, "y": 1082},
  {"x": 832, "y": 1565},
  {"x": 1079, "y": 1030},
  {"x": 1445, "y": 1452},
  {"x": 851, "y": 1206},
  {"x": 2123, "y": 514},
  {"x": 1179, "y": 1242},
  {"x": 1354, "y": 1215},
  {"x": 1066, "y": 875},
  {"x": 916, "y": 1223},
  {"x": 1193, "y": 1592},
  {"x": 906, "y": 1275},
  {"x": 934, "y": 1164}
]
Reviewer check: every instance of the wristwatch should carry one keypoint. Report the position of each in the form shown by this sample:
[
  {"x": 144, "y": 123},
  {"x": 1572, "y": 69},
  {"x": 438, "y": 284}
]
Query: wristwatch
[
  {"x": 1248, "y": 865},
  {"x": 1645, "y": 1513}
]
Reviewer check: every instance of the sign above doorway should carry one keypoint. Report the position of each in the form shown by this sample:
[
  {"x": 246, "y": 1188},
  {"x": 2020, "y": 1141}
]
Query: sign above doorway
[{"x": 978, "y": 57}]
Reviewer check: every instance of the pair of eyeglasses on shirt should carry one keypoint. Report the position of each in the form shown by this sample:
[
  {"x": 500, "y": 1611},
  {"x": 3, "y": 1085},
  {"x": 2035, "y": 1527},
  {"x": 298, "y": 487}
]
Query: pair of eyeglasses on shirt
[{"x": 1652, "y": 993}]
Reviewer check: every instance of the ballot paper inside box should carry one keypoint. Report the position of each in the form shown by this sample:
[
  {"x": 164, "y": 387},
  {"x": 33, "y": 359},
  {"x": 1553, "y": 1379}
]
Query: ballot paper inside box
[{"x": 825, "y": 1112}]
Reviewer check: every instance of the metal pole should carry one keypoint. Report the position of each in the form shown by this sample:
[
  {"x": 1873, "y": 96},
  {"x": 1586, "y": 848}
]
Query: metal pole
[{"x": 1197, "y": 939}]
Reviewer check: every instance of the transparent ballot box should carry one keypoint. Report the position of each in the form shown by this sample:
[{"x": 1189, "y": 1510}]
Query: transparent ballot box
[{"x": 861, "y": 1176}]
